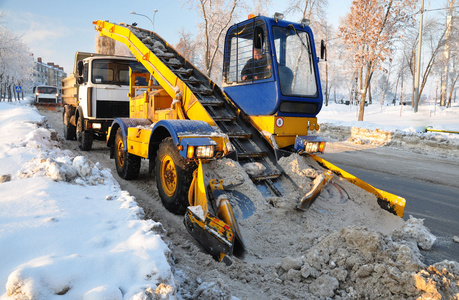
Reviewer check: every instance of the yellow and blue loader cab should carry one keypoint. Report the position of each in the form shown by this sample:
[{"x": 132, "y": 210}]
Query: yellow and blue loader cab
[{"x": 271, "y": 74}]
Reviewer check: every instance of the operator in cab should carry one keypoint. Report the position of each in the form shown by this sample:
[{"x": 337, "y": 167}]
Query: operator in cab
[{"x": 258, "y": 67}]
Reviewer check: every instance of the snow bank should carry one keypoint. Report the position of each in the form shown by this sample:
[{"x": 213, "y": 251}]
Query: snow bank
[
  {"x": 66, "y": 227},
  {"x": 394, "y": 126}
]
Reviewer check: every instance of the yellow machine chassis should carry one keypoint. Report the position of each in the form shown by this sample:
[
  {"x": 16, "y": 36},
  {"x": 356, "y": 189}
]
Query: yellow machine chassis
[{"x": 284, "y": 130}]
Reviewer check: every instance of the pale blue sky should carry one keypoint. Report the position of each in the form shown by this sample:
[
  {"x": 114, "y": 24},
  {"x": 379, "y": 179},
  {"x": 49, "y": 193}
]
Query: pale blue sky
[{"x": 56, "y": 29}]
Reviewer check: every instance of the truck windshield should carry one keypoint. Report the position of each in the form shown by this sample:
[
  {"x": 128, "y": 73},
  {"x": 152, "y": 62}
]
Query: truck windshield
[
  {"x": 46, "y": 90},
  {"x": 295, "y": 62},
  {"x": 114, "y": 71}
]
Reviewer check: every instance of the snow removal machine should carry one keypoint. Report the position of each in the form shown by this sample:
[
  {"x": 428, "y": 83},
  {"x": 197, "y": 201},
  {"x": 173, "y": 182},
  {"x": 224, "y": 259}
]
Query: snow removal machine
[{"x": 180, "y": 120}]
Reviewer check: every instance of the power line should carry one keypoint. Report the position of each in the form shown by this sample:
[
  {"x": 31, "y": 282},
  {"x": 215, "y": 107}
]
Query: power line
[{"x": 434, "y": 9}]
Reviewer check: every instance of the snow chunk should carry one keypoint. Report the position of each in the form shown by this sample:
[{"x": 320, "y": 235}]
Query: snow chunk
[
  {"x": 254, "y": 168},
  {"x": 414, "y": 230},
  {"x": 212, "y": 290},
  {"x": 104, "y": 292},
  {"x": 81, "y": 164}
]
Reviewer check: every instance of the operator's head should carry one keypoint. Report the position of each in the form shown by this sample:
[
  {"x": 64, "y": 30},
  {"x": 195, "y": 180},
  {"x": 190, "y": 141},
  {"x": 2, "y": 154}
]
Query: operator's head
[{"x": 257, "y": 53}]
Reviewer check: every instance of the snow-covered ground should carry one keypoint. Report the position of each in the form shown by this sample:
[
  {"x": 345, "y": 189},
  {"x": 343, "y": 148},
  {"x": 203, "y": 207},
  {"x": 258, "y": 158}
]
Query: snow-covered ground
[
  {"x": 396, "y": 126},
  {"x": 391, "y": 118},
  {"x": 66, "y": 227}
]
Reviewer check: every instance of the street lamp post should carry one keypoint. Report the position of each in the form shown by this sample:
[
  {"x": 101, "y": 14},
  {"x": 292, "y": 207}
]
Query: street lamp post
[
  {"x": 152, "y": 21},
  {"x": 154, "y": 14},
  {"x": 418, "y": 63}
]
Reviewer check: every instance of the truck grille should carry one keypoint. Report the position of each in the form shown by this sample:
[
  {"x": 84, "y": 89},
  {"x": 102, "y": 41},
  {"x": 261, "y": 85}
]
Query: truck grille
[
  {"x": 112, "y": 109},
  {"x": 46, "y": 100}
]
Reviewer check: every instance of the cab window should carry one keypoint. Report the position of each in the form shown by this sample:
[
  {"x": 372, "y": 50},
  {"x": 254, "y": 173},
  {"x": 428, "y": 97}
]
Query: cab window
[{"x": 248, "y": 57}]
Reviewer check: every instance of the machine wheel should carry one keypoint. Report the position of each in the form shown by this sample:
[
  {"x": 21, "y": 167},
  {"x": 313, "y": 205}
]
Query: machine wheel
[
  {"x": 173, "y": 177},
  {"x": 127, "y": 164},
  {"x": 69, "y": 129},
  {"x": 84, "y": 138}
]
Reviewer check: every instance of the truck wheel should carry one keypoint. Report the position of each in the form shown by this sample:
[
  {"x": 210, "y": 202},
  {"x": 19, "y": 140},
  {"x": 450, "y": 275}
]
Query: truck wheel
[
  {"x": 84, "y": 138},
  {"x": 173, "y": 177},
  {"x": 127, "y": 164},
  {"x": 69, "y": 129}
]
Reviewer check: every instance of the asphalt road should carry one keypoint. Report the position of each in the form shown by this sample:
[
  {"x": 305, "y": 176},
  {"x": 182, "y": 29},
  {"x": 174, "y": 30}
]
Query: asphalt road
[{"x": 429, "y": 184}]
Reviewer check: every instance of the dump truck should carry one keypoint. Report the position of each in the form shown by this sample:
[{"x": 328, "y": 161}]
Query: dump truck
[
  {"x": 182, "y": 120},
  {"x": 94, "y": 94}
]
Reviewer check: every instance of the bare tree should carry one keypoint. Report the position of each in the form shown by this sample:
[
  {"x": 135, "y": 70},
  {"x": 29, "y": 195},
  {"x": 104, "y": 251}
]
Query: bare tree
[
  {"x": 433, "y": 42},
  {"x": 16, "y": 63},
  {"x": 309, "y": 9},
  {"x": 257, "y": 7},
  {"x": 217, "y": 16},
  {"x": 447, "y": 51},
  {"x": 187, "y": 46},
  {"x": 369, "y": 30}
]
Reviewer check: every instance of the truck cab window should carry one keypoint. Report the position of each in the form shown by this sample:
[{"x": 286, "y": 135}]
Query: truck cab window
[
  {"x": 248, "y": 57},
  {"x": 295, "y": 62},
  {"x": 111, "y": 71}
]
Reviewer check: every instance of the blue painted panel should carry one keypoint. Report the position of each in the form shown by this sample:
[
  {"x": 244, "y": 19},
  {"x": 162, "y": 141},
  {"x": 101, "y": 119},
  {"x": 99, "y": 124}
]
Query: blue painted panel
[
  {"x": 259, "y": 98},
  {"x": 183, "y": 127}
]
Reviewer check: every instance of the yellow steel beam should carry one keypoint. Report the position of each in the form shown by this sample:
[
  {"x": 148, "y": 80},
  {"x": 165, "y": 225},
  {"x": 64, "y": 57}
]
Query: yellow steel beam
[
  {"x": 429, "y": 128},
  {"x": 387, "y": 201}
]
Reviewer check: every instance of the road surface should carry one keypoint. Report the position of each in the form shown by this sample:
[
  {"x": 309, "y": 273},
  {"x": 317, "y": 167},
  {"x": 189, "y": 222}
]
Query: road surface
[{"x": 429, "y": 184}]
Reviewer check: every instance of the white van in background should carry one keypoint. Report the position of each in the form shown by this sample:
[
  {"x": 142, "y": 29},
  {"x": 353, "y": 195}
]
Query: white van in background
[{"x": 46, "y": 94}]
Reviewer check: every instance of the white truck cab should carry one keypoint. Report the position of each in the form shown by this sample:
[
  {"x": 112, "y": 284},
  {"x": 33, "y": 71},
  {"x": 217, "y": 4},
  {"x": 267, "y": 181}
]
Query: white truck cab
[{"x": 95, "y": 94}]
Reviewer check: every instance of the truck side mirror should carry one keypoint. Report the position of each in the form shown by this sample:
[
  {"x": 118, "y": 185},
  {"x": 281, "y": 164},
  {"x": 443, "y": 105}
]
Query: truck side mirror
[
  {"x": 323, "y": 50},
  {"x": 80, "y": 68}
]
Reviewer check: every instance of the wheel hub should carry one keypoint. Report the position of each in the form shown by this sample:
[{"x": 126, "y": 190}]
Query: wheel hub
[
  {"x": 120, "y": 153},
  {"x": 168, "y": 175}
]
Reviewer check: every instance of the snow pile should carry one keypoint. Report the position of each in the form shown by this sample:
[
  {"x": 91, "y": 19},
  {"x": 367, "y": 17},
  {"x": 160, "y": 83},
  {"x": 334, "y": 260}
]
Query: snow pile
[
  {"x": 357, "y": 263},
  {"x": 66, "y": 227},
  {"x": 439, "y": 281}
]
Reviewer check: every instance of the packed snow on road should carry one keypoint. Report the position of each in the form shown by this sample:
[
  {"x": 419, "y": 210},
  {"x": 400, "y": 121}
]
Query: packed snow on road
[{"x": 67, "y": 230}]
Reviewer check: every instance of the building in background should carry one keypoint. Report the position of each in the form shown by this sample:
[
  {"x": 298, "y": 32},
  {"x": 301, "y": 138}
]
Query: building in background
[{"x": 48, "y": 74}]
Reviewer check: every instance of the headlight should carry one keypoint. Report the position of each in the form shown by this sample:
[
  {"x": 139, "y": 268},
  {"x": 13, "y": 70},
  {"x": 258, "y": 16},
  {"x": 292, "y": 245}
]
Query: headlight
[
  {"x": 313, "y": 147},
  {"x": 205, "y": 151},
  {"x": 200, "y": 151}
]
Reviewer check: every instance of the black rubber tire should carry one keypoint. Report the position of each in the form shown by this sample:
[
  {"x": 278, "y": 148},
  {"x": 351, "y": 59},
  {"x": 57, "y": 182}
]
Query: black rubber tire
[
  {"x": 69, "y": 129},
  {"x": 84, "y": 138},
  {"x": 127, "y": 164},
  {"x": 173, "y": 177}
]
